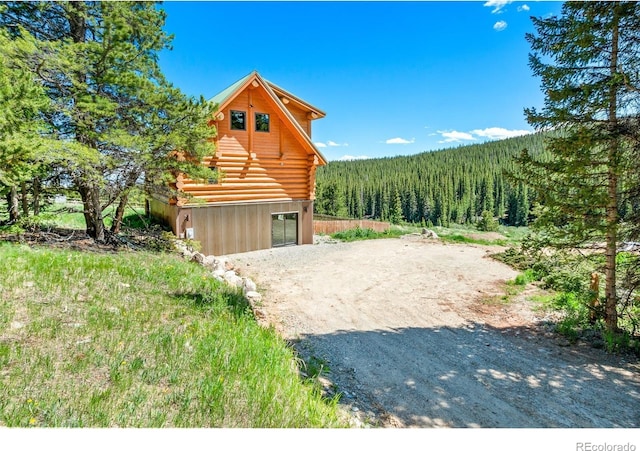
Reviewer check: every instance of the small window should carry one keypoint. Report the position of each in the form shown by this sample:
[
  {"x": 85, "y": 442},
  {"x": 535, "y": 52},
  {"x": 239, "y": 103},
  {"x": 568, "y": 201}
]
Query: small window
[
  {"x": 262, "y": 122},
  {"x": 238, "y": 120}
]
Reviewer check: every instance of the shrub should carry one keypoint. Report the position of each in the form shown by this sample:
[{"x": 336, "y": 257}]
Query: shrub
[
  {"x": 526, "y": 277},
  {"x": 356, "y": 234},
  {"x": 487, "y": 222}
]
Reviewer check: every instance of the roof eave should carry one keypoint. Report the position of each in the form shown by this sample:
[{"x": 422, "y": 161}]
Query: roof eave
[
  {"x": 322, "y": 161},
  {"x": 305, "y": 105}
]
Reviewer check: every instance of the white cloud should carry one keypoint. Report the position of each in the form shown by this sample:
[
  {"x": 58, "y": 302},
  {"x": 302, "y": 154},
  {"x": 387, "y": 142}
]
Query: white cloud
[
  {"x": 400, "y": 141},
  {"x": 499, "y": 133},
  {"x": 330, "y": 144},
  {"x": 497, "y": 5},
  {"x": 500, "y": 25},
  {"x": 351, "y": 158},
  {"x": 455, "y": 137},
  {"x": 524, "y": 7},
  {"x": 492, "y": 133}
]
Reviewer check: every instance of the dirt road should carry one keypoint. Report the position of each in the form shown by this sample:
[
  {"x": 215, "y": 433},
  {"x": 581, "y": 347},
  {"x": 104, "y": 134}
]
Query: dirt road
[{"x": 411, "y": 338}]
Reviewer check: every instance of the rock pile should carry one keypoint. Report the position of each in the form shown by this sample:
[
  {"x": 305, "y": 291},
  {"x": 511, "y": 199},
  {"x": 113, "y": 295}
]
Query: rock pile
[
  {"x": 426, "y": 233},
  {"x": 224, "y": 270}
]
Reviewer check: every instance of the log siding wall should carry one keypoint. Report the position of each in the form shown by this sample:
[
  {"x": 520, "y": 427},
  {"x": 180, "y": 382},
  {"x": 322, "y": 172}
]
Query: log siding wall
[
  {"x": 262, "y": 173},
  {"x": 300, "y": 116},
  {"x": 256, "y": 165}
]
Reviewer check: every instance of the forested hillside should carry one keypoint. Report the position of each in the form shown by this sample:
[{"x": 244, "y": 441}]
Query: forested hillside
[{"x": 441, "y": 187}]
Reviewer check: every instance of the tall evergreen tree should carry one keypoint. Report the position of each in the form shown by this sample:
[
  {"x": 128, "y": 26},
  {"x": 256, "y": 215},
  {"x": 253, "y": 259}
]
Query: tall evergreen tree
[
  {"x": 588, "y": 61},
  {"x": 395, "y": 212},
  {"x": 436, "y": 187},
  {"x": 21, "y": 127},
  {"x": 332, "y": 201},
  {"x": 116, "y": 116}
]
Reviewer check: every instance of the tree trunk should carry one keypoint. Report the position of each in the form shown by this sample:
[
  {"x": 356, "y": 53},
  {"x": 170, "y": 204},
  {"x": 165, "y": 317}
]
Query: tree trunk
[
  {"x": 13, "y": 204},
  {"x": 117, "y": 220},
  {"x": 77, "y": 22},
  {"x": 89, "y": 193},
  {"x": 25, "y": 198},
  {"x": 611, "y": 302},
  {"x": 124, "y": 199},
  {"x": 36, "y": 196},
  {"x": 92, "y": 211}
]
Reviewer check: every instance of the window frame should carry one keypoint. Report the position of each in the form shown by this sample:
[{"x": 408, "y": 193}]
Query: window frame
[
  {"x": 244, "y": 120},
  {"x": 268, "y": 116}
]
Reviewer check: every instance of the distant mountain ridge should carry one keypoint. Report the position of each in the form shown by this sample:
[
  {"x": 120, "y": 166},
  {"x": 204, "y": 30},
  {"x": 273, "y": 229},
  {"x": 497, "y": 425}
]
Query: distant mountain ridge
[{"x": 453, "y": 185}]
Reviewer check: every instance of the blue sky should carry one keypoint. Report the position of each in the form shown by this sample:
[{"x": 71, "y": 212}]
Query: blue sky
[{"x": 395, "y": 78}]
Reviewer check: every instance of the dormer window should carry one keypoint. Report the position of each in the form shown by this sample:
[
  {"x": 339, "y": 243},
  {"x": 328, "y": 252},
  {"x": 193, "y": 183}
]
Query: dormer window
[
  {"x": 262, "y": 122},
  {"x": 238, "y": 120}
]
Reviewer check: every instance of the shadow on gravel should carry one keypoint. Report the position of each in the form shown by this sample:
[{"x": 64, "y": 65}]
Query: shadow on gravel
[{"x": 478, "y": 376}]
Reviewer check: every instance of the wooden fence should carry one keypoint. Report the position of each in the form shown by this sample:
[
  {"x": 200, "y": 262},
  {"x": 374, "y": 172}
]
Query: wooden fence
[{"x": 328, "y": 227}]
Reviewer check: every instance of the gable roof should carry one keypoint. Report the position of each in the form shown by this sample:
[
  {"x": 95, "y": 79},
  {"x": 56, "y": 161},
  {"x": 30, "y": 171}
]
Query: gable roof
[
  {"x": 282, "y": 93},
  {"x": 223, "y": 98}
]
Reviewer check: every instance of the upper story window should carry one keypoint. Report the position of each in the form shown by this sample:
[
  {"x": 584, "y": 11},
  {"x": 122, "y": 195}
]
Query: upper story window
[
  {"x": 238, "y": 120},
  {"x": 262, "y": 122}
]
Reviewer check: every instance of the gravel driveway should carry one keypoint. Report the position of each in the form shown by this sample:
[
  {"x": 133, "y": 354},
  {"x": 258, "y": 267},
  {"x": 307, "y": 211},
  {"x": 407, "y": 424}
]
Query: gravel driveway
[{"x": 411, "y": 338}]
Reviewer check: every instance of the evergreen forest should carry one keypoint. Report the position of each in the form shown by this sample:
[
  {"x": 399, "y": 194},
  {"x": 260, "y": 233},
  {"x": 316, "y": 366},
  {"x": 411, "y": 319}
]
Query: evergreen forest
[{"x": 440, "y": 188}]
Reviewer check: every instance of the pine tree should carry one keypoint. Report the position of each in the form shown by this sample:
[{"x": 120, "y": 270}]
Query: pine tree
[
  {"x": 395, "y": 213},
  {"x": 588, "y": 61},
  {"x": 118, "y": 119},
  {"x": 22, "y": 100},
  {"x": 487, "y": 222},
  {"x": 332, "y": 200},
  {"x": 456, "y": 176}
]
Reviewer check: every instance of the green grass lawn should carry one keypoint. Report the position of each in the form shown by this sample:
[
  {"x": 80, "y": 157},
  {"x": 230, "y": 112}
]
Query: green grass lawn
[
  {"x": 359, "y": 234},
  {"x": 70, "y": 216},
  {"x": 136, "y": 339},
  {"x": 453, "y": 234}
]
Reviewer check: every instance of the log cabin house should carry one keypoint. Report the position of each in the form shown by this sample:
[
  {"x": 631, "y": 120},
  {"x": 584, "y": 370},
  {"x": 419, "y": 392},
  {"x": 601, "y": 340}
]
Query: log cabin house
[{"x": 266, "y": 165}]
